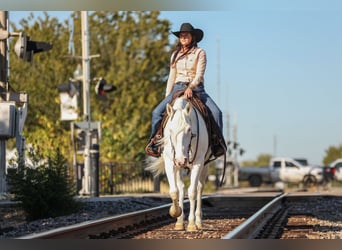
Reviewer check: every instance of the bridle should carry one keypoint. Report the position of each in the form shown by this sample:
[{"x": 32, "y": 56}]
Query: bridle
[{"x": 192, "y": 136}]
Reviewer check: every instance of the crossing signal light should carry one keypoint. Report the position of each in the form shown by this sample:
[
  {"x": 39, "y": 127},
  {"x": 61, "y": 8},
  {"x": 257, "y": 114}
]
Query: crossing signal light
[
  {"x": 102, "y": 87},
  {"x": 68, "y": 88},
  {"x": 25, "y": 48}
]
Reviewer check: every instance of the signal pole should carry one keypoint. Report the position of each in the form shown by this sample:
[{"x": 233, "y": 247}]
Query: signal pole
[
  {"x": 229, "y": 160},
  {"x": 235, "y": 157},
  {"x": 90, "y": 180},
  {"x": 86, "y": 182},
  {"x": 218, "y": 72},
  {"x": 3, "y": 89},
  {"x": 274, "y": 145},
  {"x": 13, "y": 105}
]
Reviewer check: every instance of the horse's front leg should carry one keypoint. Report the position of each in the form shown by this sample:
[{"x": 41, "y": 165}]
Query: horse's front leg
[
  {"x": 180, "y": 184},
  {"x": 175, "y": 210},
  {"x": 200, "y": 187},
  {"x": 192, "y": 193}
]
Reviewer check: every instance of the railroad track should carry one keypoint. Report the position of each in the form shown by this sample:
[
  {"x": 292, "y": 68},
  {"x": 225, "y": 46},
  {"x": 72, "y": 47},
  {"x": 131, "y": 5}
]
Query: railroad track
[{"x": 272, "y": 216}]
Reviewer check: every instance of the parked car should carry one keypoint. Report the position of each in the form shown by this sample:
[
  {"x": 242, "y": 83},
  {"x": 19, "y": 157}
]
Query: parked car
[
  {"x": 282, "y": 169},
  {"x": 336, "y": 167}
]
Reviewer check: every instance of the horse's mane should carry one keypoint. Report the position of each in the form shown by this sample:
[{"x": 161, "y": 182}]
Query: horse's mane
[{"x": 178, "y": 105}]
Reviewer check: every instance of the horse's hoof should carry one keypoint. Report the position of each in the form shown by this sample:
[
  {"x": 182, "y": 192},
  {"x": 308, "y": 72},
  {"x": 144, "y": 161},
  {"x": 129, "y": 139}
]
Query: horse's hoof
[
  {"x": 175, "y": 211},
  {"x": 191, "y": 228},
  {"x": 199, "y": 226},
  {"x": 179, "y": 226}
]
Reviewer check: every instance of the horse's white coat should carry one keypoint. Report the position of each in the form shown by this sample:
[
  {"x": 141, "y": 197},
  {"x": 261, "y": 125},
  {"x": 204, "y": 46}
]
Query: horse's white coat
[{"x": 185, "y": 145}]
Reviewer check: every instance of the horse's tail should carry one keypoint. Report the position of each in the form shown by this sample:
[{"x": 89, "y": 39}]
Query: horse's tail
[{"x": 155, "y": 166}]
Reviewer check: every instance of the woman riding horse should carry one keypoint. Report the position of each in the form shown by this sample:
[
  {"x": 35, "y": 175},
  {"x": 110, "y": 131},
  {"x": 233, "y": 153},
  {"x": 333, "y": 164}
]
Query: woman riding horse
[{"x": 187, "y": 67}]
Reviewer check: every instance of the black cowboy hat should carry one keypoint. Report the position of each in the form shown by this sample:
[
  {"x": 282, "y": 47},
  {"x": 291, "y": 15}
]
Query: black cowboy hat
[{"x": 187, "y": 27}]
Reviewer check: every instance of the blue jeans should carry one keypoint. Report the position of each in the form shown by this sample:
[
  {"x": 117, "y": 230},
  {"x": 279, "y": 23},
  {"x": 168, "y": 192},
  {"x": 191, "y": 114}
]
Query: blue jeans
[{"x": 157, "y": 114}]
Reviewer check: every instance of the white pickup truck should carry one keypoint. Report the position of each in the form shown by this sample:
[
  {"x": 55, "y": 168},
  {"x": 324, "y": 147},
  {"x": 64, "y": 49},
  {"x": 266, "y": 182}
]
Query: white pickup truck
[{"x": 282, "y": 169}]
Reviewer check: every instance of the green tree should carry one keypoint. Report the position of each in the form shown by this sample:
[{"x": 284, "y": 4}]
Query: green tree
[
  {"x": 262, "y": 160},
  {"x": 134, "y": 54},
  {"x": 332, "y": 153},
  {"x": 43, "y": 189},
  {"x": 134, "y": 51},
  {"x": 39, "y": 79}
]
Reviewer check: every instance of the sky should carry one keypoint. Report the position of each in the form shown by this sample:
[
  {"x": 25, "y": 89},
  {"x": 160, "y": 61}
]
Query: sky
[{"x": 275, "y": 72}]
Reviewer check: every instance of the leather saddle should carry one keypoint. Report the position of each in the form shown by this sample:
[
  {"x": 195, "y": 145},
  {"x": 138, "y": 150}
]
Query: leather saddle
[{"x": 216, "y": 139}]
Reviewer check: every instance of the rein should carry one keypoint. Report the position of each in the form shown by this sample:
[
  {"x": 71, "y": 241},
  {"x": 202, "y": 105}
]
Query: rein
[{"x": 197, "y": 139}]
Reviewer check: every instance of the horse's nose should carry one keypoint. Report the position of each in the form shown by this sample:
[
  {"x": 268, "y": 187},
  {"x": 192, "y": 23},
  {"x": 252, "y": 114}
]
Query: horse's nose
[{"x": 182, "y": 162}]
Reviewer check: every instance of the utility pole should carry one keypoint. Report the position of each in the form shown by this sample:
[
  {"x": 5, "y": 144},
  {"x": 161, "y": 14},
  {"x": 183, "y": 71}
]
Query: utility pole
[
  {"x": 3, "y": 89},
  {"x": 3, "y": 53},
  {"x": 230, "y": 165},
  {"x": 90, "y": 178},
  {"x": 86, "y": 182},
  {"x": 218, "y": 72},
  {"x": 235, "y": 158},
  {"x": 274, "y": 145}
]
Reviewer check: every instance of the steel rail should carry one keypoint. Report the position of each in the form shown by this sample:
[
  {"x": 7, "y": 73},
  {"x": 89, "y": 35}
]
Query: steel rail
[
  {"x": 89, "y": 229},
  {"x": 84, "y": 229},
  {"x": 250, "y": 227}
]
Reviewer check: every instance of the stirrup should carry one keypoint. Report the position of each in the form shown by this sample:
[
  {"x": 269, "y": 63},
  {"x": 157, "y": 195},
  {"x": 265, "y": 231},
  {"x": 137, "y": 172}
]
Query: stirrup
[{"x": 152, "y": 149}]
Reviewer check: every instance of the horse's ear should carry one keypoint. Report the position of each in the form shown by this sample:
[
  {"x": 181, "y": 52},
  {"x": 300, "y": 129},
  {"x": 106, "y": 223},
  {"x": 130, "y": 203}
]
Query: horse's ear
[
  {"x": 188, "y": 108},
  {"x": 169, "y": 109}
]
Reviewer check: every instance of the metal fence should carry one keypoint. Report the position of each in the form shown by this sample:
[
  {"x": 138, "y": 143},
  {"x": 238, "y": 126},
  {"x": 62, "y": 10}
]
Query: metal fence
[
  {"x": 118, "y": 178},
  {"x": 131, "y": 177}
]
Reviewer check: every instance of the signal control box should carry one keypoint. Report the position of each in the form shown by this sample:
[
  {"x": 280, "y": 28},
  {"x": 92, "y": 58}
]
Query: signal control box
[{"x": 7, "y": 120}]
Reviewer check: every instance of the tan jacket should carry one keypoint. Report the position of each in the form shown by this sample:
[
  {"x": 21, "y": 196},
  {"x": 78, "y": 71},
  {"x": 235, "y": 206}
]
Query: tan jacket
[{"x": 190, "y": 69}]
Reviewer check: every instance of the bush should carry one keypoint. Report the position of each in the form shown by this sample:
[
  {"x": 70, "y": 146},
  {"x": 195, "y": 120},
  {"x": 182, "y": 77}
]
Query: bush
[{"x": 43, "y": 190}]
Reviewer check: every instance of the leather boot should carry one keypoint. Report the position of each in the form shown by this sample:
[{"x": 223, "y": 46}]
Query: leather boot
[{"x": 152, "y": 149}]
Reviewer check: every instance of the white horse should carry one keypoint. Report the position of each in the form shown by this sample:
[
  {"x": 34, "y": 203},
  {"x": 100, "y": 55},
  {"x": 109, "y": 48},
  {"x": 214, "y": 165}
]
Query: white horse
[{"x": 185, "y": 146}]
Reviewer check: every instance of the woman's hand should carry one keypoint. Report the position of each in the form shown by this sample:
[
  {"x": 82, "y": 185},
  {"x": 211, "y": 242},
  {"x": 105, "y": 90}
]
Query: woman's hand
[{"x": 188, "y": 93}]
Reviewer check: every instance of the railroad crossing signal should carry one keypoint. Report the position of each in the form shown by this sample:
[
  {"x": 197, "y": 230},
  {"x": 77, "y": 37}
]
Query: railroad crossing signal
[
  {"x": 102, "y": 87},
  {"x": 25, "y": 48},
  {"x": 68, "y": 88}
]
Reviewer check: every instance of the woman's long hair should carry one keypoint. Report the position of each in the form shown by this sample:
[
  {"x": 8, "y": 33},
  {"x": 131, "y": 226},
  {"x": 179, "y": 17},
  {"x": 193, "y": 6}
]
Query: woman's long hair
[{"x": 193, "y": 44}]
